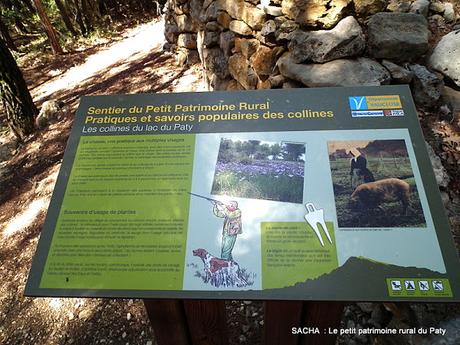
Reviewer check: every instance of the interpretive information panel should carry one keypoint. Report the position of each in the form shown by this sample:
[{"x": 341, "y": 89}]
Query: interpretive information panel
[{"x": 318, "y": 194}]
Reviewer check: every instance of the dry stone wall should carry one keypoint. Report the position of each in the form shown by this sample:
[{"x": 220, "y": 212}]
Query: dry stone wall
[{"x": 262, "y": 44}]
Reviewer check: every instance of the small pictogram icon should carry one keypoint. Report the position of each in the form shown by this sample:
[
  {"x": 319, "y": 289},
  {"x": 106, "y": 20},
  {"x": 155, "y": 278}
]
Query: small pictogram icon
[
  {"x": 437, "y": 285},
  {"x": 410, "y": 285},
  {"x": 396, "y": 285},
  {"x": 423, "y": 285}
]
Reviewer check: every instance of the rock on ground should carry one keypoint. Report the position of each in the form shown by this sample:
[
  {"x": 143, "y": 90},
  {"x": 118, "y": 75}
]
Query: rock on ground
[
  {"x": 224, "y": 19},
  {"x": 187, "y": 41},
  {"x": 442, "y": 178},
  {"x": 420, "y": 7},
  {"x": 427, "y": 87},
  {"x": 399, "y": 6},
  {"x": 285, "y": 30},
  {"x": 342, "y": 72},
  {"x": 242, "y": 72},
  {"x": 264, "y": 59},
  {"x": 365, "y": 8},
  {"x": 216, "y": 62},
  {"x": 449, "y": 12},
  {"x": 446, "y": 56},
  {"x": 49, "y": 110},
  {"x": 246, "y": 46},
  {"x": 453, "y": 98},
  {"x": 437, "y": 7},
  {"x": 398, "y": 36},
  {"x": 241, "y": 10},
  {"x": 345, "y": 40},
  {"x": 240, "y": 27},
  {"x": 322, "y": 13},
  {"x": 227, "y": 42},
  {"x": 274, "y": 11},
  {"x": 399, "y": 74}
]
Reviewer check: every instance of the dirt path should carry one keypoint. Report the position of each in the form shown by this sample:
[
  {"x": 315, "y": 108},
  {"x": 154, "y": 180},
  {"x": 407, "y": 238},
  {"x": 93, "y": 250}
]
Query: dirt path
[
  {"x": 137, "y": 43},
  {"x": 133, "y": 62}
]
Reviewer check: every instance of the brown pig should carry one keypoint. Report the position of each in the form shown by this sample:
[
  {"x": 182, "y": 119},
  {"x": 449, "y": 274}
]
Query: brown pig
[{"x": 373, "y": 194}]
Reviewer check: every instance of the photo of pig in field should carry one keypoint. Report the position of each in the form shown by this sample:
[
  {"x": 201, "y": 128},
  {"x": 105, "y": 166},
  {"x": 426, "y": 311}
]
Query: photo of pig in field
[{"x": 374, "y": 185}]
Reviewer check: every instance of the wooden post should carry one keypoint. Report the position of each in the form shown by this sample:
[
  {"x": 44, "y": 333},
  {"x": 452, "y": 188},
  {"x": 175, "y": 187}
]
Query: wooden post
[
  {"x": 167, "y": 318},
  {"x": 323, "y": 315},
  {"x": 280, "y": 317},
  {"x": 203, "y": 322},
  {"x": 206, "y": 322}
]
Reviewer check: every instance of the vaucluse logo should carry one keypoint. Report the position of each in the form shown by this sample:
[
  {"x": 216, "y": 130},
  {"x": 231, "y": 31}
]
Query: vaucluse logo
[{"x": 357, "y": 102}]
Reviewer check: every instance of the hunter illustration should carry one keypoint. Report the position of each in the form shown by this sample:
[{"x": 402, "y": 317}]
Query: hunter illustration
[
  {"x": 224, "y": 271},
  {"x": 232, "y": 226}
]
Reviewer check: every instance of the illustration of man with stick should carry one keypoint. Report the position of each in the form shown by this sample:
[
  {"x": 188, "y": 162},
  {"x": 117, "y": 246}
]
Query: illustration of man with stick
[{"x": 232, "y": 224}]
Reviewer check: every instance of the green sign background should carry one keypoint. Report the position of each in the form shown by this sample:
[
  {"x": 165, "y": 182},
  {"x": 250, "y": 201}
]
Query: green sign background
[
  {"x": 145, "y": 248},
  {"x": 139, "y": 273}
]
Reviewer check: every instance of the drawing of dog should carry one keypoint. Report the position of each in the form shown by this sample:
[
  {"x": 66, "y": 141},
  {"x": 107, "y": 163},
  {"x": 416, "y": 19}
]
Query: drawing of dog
[
  {"x": 219, "y": 272},
  {"x": 373, "y": 194}
]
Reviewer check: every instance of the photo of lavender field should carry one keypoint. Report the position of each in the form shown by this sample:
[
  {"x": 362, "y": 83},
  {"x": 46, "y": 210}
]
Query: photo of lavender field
[{"x": 257, "y": 169}]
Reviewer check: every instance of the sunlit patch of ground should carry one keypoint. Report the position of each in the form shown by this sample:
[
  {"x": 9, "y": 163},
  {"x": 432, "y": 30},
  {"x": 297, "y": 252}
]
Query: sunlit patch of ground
[
  {"x": 25, "y": 218},
  {"x": 137, "y": 42},
  {"x": 133, "y": 64}
]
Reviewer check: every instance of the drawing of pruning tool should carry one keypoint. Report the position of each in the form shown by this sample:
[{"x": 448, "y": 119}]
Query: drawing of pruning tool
[{"x": 315, "y": 218}]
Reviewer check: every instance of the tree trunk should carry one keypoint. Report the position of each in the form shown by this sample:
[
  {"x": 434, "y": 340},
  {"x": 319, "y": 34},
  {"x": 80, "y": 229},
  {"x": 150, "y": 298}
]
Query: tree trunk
[
  {"x": 79, "y": 16},
  {"x": 90, "y": 12},
  {"x": 65, "y": 17},
  {"x": 5, "y": 34},
  {"x": 112, "y": 5},
  {"x": 94, "y": 8},
  {"x": 102, "y": 7},
  {"x": 14, "y": 95},
  {"x": 49, "y": 29}
]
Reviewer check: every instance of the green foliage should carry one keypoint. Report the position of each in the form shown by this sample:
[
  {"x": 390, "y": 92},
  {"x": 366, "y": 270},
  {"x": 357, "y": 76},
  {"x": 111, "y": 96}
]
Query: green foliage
[
  {"x": 280, "y": 188},
  {"x": 292, "y": 152},
  {"x": 245, "y": 151},
  {"x": 275, "y": 151}
]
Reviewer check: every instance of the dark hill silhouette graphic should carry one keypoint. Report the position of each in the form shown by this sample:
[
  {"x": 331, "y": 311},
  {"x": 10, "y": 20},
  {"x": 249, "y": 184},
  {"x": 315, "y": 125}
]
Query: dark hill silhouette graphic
[{"x": 358, "y": 279}]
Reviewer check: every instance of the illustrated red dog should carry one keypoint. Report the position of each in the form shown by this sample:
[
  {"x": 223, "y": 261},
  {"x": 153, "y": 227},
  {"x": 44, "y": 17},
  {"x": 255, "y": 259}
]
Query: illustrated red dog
[{"x": 219, "y": 272}]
